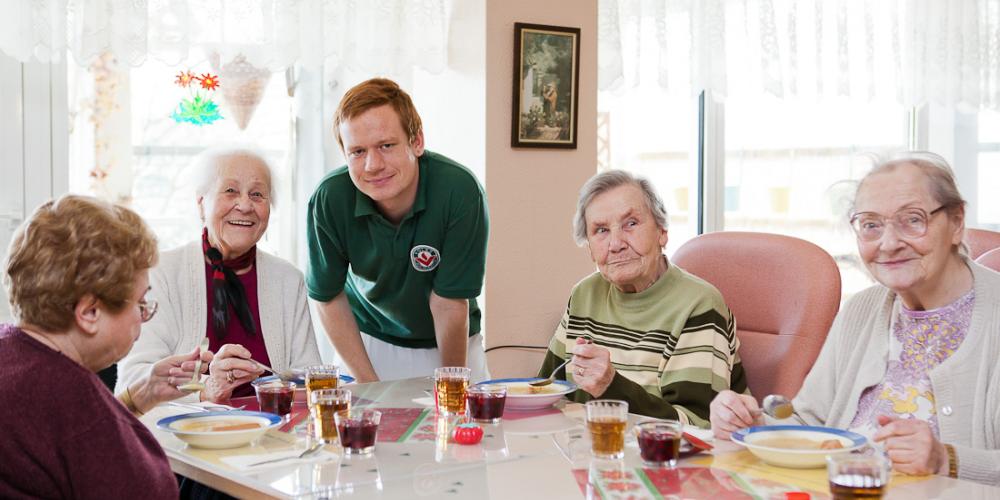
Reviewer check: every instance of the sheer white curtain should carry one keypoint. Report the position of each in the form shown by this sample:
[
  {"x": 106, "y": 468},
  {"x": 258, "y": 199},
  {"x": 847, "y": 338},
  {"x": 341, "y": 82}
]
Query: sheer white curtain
[
  {"x": 915, "y": 51},
  {"x": 377, "y": 36}
]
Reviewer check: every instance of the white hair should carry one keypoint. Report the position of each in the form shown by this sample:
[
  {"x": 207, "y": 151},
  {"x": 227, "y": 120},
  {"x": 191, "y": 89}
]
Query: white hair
[
  {"x": 206, "y": 168},
  {"x": 606, "y": 181}
]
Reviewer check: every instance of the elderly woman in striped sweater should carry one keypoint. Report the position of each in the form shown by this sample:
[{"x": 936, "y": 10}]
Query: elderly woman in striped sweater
[{"x": 642, "y": 329}]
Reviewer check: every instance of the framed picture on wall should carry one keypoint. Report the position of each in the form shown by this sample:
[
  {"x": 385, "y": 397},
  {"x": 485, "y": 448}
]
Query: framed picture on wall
[{"x": 546, "y": 86}]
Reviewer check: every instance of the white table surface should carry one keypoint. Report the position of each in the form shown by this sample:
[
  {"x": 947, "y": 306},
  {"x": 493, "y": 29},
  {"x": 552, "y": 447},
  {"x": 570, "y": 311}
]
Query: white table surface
[{"x": 518, "y": 459}]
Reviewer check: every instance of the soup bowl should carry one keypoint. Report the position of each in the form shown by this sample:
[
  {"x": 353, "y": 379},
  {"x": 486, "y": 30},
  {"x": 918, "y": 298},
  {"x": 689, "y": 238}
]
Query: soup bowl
[
  {"x": 219, "y": 429},
  {"x": 522, "y": 396},
  {"x": 300, "y": 383},
  {"x": 796, "y": 446}
]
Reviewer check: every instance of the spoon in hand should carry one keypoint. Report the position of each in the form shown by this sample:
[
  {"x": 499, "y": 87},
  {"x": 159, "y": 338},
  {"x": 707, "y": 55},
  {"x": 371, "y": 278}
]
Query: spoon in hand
[
  {"x": 195, "y": 384},
  {"x": 552, "y": 377},
  {"x": 283, "y": 374},
  {"x": 778, "y": 406}
]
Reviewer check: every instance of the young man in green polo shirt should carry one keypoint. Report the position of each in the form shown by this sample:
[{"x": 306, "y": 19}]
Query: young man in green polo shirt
[{"x": 397, "y": 245}]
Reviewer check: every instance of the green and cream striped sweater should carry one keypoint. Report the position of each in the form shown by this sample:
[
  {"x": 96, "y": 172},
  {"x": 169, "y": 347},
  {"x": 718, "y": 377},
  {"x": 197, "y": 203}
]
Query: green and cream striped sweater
[{"x": 673, "y": 345}]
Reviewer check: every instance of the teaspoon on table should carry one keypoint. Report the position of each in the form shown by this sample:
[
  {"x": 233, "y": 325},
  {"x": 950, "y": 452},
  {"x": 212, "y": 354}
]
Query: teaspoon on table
[{"x": 312, "y": 450}]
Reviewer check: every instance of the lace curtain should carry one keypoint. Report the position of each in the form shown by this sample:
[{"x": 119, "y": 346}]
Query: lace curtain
[
  {"x": 915, "y": 51},
  {"x": 376, "y": 36}
]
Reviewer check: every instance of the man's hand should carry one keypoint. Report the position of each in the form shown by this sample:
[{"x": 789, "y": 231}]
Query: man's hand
[
  {"x": 730, "y": 412},
  {"x": 911, "y": 446},
  {"x": 451, "y": 328},
  {"x": 592, "y": 368}
]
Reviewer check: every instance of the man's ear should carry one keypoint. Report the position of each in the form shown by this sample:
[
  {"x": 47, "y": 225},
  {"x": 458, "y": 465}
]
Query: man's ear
[
  {"x": 417, "y": 144},
  {"x": 87, "y": 314}
]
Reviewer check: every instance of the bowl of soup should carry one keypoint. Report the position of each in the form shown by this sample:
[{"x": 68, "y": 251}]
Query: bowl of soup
[
  {"x": 521, "y": 395},
  {"x": 219, "y": 429},
  {"x": 796, "y": 446}
]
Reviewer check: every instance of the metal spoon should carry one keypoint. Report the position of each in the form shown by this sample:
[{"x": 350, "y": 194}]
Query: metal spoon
[
  {"x": 552, "y": 377},
  {"x": 196, "y": 384},
  {"x": 310, "y": 451},
  {"x": 286, "y": 375},
  {"x": 779, "y": 407}
]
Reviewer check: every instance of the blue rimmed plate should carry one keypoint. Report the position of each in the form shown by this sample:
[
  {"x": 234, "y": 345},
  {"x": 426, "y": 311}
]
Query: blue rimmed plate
[
  {"x": 796, "y": 446},
  {"x": 219, "y": 429},
  {"x": 300, "y": 384},
  {"x": 522, "y": 396}
]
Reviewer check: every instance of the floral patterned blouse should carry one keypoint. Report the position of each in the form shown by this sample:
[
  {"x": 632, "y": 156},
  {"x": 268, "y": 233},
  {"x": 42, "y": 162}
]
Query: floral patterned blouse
[{"x": 920, "y": 341}]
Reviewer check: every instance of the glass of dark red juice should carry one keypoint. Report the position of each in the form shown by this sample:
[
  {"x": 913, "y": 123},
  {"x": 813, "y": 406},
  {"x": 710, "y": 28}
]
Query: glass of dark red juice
[
  {"x": 659, "y": 442},
  {"x": 275, "y": 396},
  {"x": 358, "y": 429},
  {"x": 486, "y": 402}
]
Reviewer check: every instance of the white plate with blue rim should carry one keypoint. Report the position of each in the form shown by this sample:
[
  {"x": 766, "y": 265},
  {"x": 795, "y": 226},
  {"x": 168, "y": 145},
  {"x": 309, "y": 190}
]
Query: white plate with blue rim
[
  {"x": 219, "y": 429},
  {"x": 522, "y": 396},
  {"x": 300, "y": 383},
  {"x": 797, "y": 446}
]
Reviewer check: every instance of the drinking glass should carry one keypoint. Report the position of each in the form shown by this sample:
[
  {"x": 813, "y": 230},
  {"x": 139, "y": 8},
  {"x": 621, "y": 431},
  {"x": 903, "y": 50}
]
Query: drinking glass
[
  {"x": 606, "y": 421},
  {"x": 486, "y": 402},
  {"x": 324, "y": 405},
  {"x": 450, "y": 383},
  {"x": 321, "y": 377},
  {"x": 659, "y": 442},
  {"x": 857, "y": 476},
  {"x": 358, "y": 429},
  {"x": 275, "y": 396}
]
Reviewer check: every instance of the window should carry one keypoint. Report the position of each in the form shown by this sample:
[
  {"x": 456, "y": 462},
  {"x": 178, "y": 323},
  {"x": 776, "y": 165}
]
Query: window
[
  {"x": 137, "y": 154},
  {"x": 988, "y": 171}
]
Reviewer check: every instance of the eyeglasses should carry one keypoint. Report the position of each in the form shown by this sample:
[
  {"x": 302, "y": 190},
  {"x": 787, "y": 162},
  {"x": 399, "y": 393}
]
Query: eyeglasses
[
  {"x": 909, "y": 223},
  {"x": 147, "y": 309}
]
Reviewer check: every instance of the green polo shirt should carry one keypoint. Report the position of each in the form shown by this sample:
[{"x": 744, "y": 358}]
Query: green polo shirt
[{"x": 389, "y": 271}]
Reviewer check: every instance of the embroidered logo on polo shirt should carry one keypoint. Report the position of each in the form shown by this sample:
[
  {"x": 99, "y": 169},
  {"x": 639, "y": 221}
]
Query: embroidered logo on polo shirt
[{"x": 425, "y": 258}]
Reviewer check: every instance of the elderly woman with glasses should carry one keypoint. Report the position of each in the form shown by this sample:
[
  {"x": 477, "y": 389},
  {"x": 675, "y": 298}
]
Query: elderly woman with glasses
[
  {"x": 251, "y": 306},
  {"x": 77, "y": 276},
  {"x": 642, "y": 329},
  {"x": 912, "y": 361}
]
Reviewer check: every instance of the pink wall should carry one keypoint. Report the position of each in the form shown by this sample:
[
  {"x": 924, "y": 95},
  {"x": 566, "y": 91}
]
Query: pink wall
[{"x": 533, "y": 261}]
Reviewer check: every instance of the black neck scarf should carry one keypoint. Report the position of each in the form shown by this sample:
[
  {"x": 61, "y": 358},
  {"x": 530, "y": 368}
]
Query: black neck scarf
[{"x": 227, "y": 290}]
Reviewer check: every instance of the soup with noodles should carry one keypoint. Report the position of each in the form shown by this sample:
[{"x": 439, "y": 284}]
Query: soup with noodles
[
  {"x": 794, "y": 443},
  {"x": 521, "y": 390},
  {"x": 218, "y": 425}
]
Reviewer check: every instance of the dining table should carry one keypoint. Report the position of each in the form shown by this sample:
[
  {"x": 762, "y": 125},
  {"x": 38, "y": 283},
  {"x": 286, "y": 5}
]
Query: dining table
[{"x": 542, "y": 453}]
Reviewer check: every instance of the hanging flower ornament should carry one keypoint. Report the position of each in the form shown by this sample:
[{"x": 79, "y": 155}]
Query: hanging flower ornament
[{"x": 196, "y": 108}]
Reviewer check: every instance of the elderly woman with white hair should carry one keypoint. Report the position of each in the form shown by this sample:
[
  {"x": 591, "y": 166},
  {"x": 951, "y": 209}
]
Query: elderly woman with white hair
[
  {"x": 912, "y": 361},
  {"x": 642, "y": 329},
  {"x": 249, "y": 304}
]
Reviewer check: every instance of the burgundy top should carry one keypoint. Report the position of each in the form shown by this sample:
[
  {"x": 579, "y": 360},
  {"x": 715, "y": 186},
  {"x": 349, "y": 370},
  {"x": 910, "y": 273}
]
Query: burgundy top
[
  {"x": 236, "y": 334},
  {"x": 65, "y": 435}
]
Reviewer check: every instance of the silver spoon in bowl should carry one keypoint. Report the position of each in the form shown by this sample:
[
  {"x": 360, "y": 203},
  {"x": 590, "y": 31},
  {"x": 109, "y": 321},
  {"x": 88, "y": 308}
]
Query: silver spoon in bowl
[
  {"x": 286, "y": 375},
  {"x": 546, "y": 381},
  {"x": 779, "y": 407}
]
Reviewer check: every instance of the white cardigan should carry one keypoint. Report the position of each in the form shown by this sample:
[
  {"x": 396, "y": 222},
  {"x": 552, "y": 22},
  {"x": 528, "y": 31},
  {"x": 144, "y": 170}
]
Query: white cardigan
[
  {"x": 966, "y": 385},
  {"x": 178, "y": 283}
]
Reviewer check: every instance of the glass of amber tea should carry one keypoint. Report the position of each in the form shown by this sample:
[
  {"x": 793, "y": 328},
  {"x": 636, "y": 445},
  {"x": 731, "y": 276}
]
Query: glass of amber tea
[
  {"x": 857, "y": 476},
  {"x": 321, "y": 377},
  {"x": 606, "y": 421},
  {"x": 324, "y": 405},
  {"x": 450, "y": 384}
]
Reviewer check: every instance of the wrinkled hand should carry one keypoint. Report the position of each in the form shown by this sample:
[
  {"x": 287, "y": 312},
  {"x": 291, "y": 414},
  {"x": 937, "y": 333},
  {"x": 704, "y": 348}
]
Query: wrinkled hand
[
  {"x": 911, "y": 446},
  {"x": 591, "y": 367},
  {"x": 230, "y": 369},
  {"x": 165, "y": 376},
  {"x": 730, "y": 412}
]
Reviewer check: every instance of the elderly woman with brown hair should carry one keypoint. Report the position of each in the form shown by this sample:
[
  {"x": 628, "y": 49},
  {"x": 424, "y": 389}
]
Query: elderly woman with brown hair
[
  {"x": 911, "y": 361},
  {"x": 77, "y": 276},
  {"x": 249, "y": 304}
]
